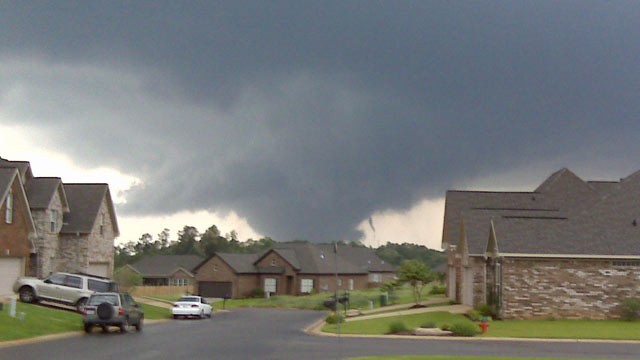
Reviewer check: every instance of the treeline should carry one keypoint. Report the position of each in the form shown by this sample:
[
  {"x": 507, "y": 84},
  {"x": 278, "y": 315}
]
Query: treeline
[{"x": 192, "y": 242}]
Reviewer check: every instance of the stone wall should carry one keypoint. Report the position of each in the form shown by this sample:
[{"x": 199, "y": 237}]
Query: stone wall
[
  {"x": 47, "y": 243},
  {"x": 559, "y": 288},
  {"x": 102, "y": 239}
]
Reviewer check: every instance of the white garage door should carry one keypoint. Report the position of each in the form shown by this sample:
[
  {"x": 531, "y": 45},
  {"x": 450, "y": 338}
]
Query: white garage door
[
  {"x": 100, "y": 269},
  {"x": 10, "y": 270}
]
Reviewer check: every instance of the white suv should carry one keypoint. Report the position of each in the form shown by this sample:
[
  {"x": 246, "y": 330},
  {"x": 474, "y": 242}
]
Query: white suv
[{"x": 64, "y": 288}]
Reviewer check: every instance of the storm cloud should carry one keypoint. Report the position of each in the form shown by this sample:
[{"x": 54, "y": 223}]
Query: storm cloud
[{"x": 307, "y": 117}]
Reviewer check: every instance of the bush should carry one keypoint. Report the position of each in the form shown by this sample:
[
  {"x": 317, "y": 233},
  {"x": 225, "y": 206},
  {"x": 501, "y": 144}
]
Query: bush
[
  {"x": 258, "y": 293},
  {"x": 438, "y": 290},
  {"x": 474, "y": 315},
  {"x": 631, "y": 309},
  {"x": 334, "y": 318},
  {"x": 464, "y": 329},
  {"x": 486, "y": 310},
  {"x": 428, "y": 325},
  {"x": 398, "y": 327}
]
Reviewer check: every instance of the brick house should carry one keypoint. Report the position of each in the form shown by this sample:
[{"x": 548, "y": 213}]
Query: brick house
[
  {"x": 164, "y": 270},
  {"x": 291, "y": 269},
  {"x": 17, "y": 229},
  {"x": 75, "y": 224},
  {"x": 568, "y": 249}
]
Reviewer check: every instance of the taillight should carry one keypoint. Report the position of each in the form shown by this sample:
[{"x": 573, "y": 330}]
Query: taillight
[
  {"x": 120, "y": 311},
  {"x": 176, "y": 305},
  {"x": 194, "y": 306}
]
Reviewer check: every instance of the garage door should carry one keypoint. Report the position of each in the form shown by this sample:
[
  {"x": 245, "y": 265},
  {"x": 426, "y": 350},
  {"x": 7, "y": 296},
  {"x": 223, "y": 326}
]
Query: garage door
[
  {"x": 11, "y": 269},
  {"x": 215, "y": 289},
  {"x": 100, "y": 269}
]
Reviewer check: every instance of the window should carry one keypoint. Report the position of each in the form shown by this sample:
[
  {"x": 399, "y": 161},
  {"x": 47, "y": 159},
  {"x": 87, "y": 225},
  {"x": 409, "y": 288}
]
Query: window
[
  {"x": 8, "y": 217},
  {"x": 100, "y": 286},
  {"x": 273, "y": 262},
  {"x": 53, "y": 221},
  {"x": 73, "y": 281},
  {"x": 339, "y": 282},
  {"x": 102, "y": 225},
  {"x": 626, "y": 263},
  {"x": 270, "y": 285},
  {"x": 306, "y": 286},
  {"x": 350, "y": 284},
  {"x": 57, "y": 279},
  {"x": 375, "y": 278}
]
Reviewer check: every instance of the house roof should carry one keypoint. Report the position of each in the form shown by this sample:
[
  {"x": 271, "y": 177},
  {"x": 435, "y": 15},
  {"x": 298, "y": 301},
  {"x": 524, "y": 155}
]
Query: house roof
[
  {"x": 308, "y": 258},
  {"x": 24, "y": 168},
  {"x": 165, "y": 265},
  {"x": 85, "y": 201},
  {"x": 576, "y": 218},
  {"x": 8, "y": 176},
  {"x": 40, "y": 192}
]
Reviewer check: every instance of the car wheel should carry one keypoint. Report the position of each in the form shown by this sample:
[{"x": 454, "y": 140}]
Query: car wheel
[
  {"x": 27, "y": 294},
  {"x": 124, "y": 327},
  {"x": 88, "y": 328},
  {"x": 175, "y": 317},
  {"x": 105, "y": 311},
  {"x": 80, "y": 304},
  {"x": 139, "y": 324},
  {"x": 202, "y": 314},
  {"x": 105, "y": 328}
]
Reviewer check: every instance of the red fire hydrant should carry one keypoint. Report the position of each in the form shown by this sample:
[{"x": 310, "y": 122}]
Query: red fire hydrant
[{"x": 483, "y": 326}]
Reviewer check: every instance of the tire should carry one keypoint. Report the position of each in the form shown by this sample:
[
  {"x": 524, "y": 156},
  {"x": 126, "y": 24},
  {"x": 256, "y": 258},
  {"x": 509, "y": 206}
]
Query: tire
[
  {"x": 80, "y": 304},
  {"x": 175, "y": 317},
  {"x": 105, "y": 311},
  {"x": 202, "y": 314},
  {"x": 124, "y": 327},
  {"x": 105, "y": 328},
  {"x": 139, "y": 324},
  {"x": 27, "y": 295},
  {"x": 88, "y": 328}
]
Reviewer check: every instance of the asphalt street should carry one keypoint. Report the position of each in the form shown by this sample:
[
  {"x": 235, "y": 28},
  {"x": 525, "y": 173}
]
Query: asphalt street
[{"x": 279, "y": 334}]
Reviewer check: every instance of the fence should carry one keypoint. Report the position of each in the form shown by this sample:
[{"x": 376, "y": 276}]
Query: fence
[{"x": 161, "y": 290}]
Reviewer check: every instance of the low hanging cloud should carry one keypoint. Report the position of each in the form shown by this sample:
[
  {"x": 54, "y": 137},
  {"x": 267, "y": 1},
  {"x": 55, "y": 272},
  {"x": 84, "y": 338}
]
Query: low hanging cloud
[{"x": 307, "y": 119}]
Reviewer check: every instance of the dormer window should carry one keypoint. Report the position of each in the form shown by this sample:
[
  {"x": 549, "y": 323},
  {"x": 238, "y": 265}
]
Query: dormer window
[
  {"x": 53, "y": 221},
  {"x": 8, "y": 216}
]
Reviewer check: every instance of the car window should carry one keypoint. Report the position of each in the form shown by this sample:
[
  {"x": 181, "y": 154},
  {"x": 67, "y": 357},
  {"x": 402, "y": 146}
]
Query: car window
[
  {"x": 73, "y": 281},
  {"x": 99, "y": 299},
  {"x": 99, "y": 286},
  {"x": 203, "y": 300},
  {"x": 189, "y": 299},
  {"x": 129, "y": 300},
  {"x": 57, "y": 279}
]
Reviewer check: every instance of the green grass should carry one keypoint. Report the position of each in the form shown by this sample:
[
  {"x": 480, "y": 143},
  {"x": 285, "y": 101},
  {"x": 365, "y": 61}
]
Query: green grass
[
  {"x": 38, "y": 321},
  {"x": 544, "y": 329},
  {"x": 563, "y": 329},
  {"x": 447, "y": 357},
  {"x": 381, "y": 326}
]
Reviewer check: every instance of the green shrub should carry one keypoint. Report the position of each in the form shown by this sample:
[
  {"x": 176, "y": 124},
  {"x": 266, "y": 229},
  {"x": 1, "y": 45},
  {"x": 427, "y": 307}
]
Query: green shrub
[
  {"x": 486, "y": 310},
  {"x": 334, "y": 319},
  {"x": 473, "y": 315},
  {"x": 398, "y": 327},
  {"x": 631, "y": 309},
  {"x": 464, "y": 329},
  {"x": 258, "y": 293},
  {"x": 445, "y": 327},
  {"x": 428, "y": 325},
  {"x": 438, "y": 290}
]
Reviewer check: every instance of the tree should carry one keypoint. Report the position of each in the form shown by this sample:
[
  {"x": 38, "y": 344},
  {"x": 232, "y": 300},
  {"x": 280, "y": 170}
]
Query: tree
[{"x": 416, "y": 274}]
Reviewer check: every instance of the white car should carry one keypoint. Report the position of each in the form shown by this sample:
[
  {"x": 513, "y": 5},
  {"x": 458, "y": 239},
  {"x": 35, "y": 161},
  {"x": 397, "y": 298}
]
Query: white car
[{"x": 191, "y": 306}]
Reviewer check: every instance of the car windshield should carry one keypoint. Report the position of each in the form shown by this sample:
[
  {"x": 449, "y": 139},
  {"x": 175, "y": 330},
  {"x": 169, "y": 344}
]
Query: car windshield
[
  {"x": 189, "y": 299},
  {"x": 99, "y": 299}
]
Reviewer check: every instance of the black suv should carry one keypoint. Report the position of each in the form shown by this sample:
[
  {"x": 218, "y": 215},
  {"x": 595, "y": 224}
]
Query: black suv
[{"x": 112, "y": 309}]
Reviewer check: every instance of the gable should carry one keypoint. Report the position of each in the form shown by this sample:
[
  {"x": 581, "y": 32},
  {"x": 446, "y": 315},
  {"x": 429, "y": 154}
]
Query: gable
[
  {"x": 22, "y": 223},
  {"x": 85, "y": 202},
  {"x": 41, "y": 192}
]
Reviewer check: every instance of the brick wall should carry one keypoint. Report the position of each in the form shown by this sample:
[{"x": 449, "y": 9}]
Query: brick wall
[{"x": 556, "y": 288}]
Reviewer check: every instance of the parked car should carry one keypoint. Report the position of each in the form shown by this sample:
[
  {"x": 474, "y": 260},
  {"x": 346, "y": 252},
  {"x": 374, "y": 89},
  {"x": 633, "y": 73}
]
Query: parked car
[
  {"x": 66, "y": 288},
  {"x": 112, "y": 309},
  {"x": 191, "y": 306}
]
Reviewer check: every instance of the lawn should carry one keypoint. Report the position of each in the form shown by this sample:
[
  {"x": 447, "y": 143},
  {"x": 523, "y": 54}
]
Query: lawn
[
  {"x": 381, "y": 326},
  {"x": 447, "y": 357},
  {"x": 545, "y": 329},
  {"x": 36, "y": 320}
]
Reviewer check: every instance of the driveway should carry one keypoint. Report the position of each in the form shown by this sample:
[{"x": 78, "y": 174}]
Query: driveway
[{"x": 278, "y": 334}]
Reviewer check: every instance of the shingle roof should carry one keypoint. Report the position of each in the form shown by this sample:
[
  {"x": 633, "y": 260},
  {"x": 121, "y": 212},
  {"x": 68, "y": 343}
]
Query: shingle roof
[
  {"x": 578, "y": 218},
  {"x": 40, "y": 192},
  {"x": 24, "y": 168},
  {"x": 84, "y": 204},
  {"x": 165, "y": 265},
  {"x": 240, "y": 263}
]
